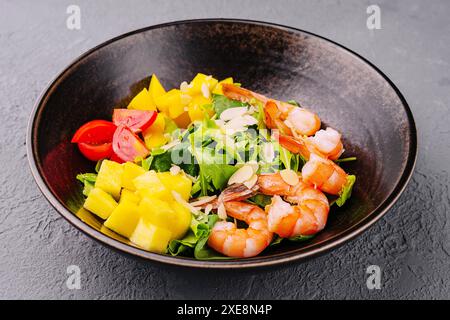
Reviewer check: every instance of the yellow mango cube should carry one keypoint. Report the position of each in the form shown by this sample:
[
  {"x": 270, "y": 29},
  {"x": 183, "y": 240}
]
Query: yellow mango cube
[
  {"x": 218, "y": 87},
  {"x": 109, "y": 178},
  {"x": 196, "y": 109},
  {"x": 142, "y": 101},
  {"x": 127, "y": 195},
  {"x": 179, "y": 183},
  {"x": 170, "y": 101},
  {"x": 157, "y": 212},
  {"x": 130, "y": 172},
  {"x": 149, "y": 184},
  {"x": 201, "y": 83},
  {"x": 183, "y": 120},
  {"x": 100, "y": 203},
  {"x": 157, "y": 126},
  {"x": 150, "y": 237},
  {"x": 182, "y": 222},
  {"x": 156, "y": 89},
  {"x": 154, "y": 140},
  {"x": 124, "y": 218}
]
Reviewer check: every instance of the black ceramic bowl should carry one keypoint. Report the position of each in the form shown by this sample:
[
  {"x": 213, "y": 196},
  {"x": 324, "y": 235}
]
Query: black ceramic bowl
[{"x": 347, "y": 92}]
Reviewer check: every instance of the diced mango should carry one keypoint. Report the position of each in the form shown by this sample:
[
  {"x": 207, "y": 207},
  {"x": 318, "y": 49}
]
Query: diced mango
[
  {"x": 197, "y": 109},
  {"x": 156, "y": 89},
  {"x": 124, "y": 218},
  {"x": 130, "y": 172},
  {"x": 157, "y": 126},
  {"x": 158, "y": 212},
  {"x": 154, "y": 140},
  {"x": 179, "y": 183},
  {"x": 149, "y": 184},
  {"x": 100, "y": 203},
  {"x": 127, "y": 195},
  {"x": 142, "y": 101},
  {"x": 183, "y": 120},
  {"x": 168, "y": 101},
  {"x": 218, "y": 87},
  {"x": 170, "y": 125},
  {"x": 182, "y": 222},
  {"x": 195, "y": 87},
  {"x": 150, "y": 237},
  {"x": 109, "y": 178}
]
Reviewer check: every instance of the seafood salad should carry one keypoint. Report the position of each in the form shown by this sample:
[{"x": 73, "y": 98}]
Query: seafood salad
[{"x": 211, "y": 170}]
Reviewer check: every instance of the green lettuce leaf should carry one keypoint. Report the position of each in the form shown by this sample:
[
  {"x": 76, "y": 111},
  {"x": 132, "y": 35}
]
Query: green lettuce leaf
[
  {"x": 277, "y": 240},
  {"x": 88, "y": 180},
  {"x": 221, "y": 103},
  {"x": 346, "y": 191},
  {"x": 195, "y": 242}
]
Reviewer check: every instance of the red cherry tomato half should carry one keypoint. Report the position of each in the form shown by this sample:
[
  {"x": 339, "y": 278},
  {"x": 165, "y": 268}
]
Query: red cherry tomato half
[
  {"x": 136, "y": 120},
  {"x": 127, "y": 146},
  {"x": 95, "y": 132},
  {"x": 96, "y": 152}
]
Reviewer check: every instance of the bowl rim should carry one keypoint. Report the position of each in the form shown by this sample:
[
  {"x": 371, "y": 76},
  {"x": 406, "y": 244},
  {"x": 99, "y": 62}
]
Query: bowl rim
[{"x": 259, "y": 261}]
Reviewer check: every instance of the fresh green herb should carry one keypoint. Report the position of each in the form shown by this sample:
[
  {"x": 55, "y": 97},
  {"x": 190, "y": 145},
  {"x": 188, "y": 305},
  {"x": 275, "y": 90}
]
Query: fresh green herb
[
  {"x": 300, "y": 238},
  {"x": 98, "y": 165},
  {"x": 161, "y": 162},
  {"x": 157, "y": 151},
  {"x": 261, "y": 200},
  {"x": 285, "y": 157},
  {"x": 88, "y": 180},
  {"x": 346, "y": 159},
  {"x": 221, "y": 103},
  {"x": 294, "y": 103},
  {"x": 346, "y": 191},
  {"x": 147, "y": 163},
  {"x": 277, "y": 240}
]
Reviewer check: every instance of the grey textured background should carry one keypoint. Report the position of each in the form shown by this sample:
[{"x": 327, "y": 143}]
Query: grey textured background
[{"x": 411, "y": 243}]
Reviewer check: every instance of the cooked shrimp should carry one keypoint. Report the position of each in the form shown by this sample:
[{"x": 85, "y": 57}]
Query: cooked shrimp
[
  {"x": 324, "y": 174},
  {"x": 304, "y": 212},
  {"x": 326, "y": 143},
  {"x": 289, "y": 119},
  {"x": 231, "y": 241}
]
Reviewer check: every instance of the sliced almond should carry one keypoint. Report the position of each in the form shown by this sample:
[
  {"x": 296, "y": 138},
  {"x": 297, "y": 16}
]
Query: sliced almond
[
  {"x": 174, "y": 170},
  {"x": 205, "y": 90},
  {"x": 232, "y": 113},
  {"x": 254, "y": 165},
  {"x": 178, "y": 198},
  {"x": 251, "y": 182},
  {"x": 241, "y": 175},
  {"x": 221, "y": 212},
  {"x": 184, "y": 86},
  {"x": 289, "y": 176},
  {"x": 249, "y": 120},
  {"x": 203, "y": 200}
]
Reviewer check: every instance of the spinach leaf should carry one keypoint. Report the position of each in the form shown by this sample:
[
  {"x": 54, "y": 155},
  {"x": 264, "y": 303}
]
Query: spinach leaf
[
  {"x": 161, "y": 162},
  {"x": 88, "y": 179},
  {"x": 221, "y": 103},
  {"x": 346, "y": 191}
]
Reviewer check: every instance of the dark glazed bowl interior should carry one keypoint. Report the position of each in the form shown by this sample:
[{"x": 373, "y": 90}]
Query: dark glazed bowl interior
[{"x": 347, "y": 92}]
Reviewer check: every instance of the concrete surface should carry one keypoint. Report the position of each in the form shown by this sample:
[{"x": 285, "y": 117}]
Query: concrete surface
[{"x": 411, "y": 243}]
